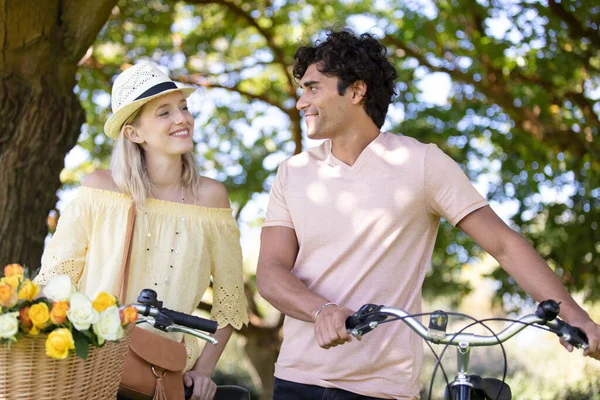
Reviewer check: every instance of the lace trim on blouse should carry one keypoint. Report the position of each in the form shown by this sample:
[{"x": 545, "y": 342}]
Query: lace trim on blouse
[{"x": 226, "y": 307}]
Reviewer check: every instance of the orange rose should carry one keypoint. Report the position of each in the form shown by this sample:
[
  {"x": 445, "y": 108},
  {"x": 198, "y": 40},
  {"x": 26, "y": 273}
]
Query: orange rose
[
  {"x": 40, "y": 317},
  {"x": 14, "y": 270},
  {"x": 58, "y": 315},
  {"x": 24, "y": 317},
  {"x": 28, "y": 290},
  {"x": 12, "y": 281},
  {"x": 128, "y": 315},
  {"x": 103, "y": 301},
  {"x": 8, "y": 296}
]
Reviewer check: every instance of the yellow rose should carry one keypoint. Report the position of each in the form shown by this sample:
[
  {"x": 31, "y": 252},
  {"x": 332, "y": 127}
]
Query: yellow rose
[
  {"x": 28, "y": 290},
  {"x": 59, "y": 342},
  {"x": 40, "y": 317},
  {"x": 103, "y": 301},
  {"x": 12, "y": 281},
  {"x": 8, "y": 296},
  {"x": 13, "y": 270},
  {"x": 58, "y": 315}
]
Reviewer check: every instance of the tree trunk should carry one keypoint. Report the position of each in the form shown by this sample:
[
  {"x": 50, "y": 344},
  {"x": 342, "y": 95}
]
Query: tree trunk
[
  {"x": 39, "y": 127},
  {"x": 262, "y": 347},
  {"x": 40, "y": 115}
]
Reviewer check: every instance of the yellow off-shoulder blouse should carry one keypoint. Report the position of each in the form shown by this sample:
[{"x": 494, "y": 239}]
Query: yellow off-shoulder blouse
[{"x": 89, "y": 241}]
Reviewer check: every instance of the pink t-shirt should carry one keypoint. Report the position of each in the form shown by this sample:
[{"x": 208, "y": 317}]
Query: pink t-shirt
[{"x": 366, "y": 234}]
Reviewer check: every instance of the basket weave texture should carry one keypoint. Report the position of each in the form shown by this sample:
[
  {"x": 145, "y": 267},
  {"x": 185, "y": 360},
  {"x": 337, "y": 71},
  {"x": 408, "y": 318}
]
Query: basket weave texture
[{"x": 26, "y": 372}]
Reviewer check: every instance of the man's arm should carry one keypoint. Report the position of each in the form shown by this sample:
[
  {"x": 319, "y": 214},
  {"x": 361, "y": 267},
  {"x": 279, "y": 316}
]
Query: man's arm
[
  {"x": 280, "y": 287},
  {"x": 520, "y": 260}
]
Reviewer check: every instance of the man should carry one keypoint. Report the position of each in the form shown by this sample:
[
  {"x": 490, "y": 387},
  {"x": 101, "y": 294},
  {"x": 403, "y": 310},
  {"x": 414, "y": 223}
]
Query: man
[{"x": 354, "y": 221}]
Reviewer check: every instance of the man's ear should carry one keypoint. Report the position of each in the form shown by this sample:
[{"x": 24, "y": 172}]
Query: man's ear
[
  {"x": 359, "y": 91},
  {"x": 132, "y": 134}
]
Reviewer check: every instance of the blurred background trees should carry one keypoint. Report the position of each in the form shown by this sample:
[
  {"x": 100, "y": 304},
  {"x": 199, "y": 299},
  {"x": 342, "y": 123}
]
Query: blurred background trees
[{"x": 509, "y": 89}]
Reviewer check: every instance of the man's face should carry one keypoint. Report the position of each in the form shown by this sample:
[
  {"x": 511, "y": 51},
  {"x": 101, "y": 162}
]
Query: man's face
[{"x": 325, "y": 111}]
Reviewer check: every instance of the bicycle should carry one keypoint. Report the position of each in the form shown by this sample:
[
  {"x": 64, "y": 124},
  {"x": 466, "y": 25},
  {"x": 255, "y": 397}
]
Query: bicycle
[
  {"x": 465, "y": 386},
  {"x": 166, "y": 320}
]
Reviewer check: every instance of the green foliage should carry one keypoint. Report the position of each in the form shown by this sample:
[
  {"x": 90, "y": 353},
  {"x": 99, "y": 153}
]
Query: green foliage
[
  {"x": 522, "y": 113},
  {"x": 82, "y": 342}
]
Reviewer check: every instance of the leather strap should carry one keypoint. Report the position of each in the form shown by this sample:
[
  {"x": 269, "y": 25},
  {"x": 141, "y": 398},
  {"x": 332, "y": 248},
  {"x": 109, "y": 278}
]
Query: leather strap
[{"x": 125, "y": 261}]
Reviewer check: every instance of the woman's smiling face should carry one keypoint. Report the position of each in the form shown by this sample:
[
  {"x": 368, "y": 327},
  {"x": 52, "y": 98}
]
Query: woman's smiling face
[{"x": 165, "y": 125}]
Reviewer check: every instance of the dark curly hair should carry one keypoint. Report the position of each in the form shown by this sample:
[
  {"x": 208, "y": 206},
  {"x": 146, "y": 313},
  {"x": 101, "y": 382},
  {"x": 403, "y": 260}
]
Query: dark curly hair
[{"x": 351, "y": 58}]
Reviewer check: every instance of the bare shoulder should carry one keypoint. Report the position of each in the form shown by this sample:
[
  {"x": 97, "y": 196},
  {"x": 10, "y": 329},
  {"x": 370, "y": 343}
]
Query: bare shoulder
[
  {"x": 213, "y": 194},
  {"x": 101, "y": 179}
]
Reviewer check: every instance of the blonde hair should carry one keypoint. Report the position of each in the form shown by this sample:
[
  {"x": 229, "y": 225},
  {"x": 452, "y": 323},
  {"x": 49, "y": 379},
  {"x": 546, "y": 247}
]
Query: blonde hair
[{"x": 128, "y": 165}]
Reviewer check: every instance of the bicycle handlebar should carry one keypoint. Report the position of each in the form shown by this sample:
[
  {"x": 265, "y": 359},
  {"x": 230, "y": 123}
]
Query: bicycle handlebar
[
  {"x": 169, "y": 320},
  {"x": 191, "y": 321},
  {"x": 369, "y": 316}
]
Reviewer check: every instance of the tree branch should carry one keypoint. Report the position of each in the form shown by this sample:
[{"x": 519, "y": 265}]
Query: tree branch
[
  {"x": 277, "y": 51},
  {"x": 82, "y": 20},
  {"x": 279, "y": 57},
  {"x": 575, "y": 27},
  {"x": 497, "y": 91},
  {"x": 234, "y": 89},
  {"x": 240, "y": 69},
  {"x": 241, "y": 207}
]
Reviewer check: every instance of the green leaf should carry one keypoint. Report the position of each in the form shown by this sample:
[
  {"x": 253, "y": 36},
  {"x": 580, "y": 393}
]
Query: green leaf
[
  {"x": 88, "y": 335},
  {"x": 81, "y": 344}
]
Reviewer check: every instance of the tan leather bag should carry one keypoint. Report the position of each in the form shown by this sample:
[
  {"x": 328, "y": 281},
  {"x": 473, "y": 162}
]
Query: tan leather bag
[
  {"x": 153, "y": 368},
  {"x": 154, "y": 365}
]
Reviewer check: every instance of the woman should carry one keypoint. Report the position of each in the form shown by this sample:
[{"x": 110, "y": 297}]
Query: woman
[{"x": 184, "y": 231}]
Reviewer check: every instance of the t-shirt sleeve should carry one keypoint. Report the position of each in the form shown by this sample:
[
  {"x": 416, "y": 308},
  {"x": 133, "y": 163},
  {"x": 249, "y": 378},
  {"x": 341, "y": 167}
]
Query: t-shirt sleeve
[
  {"x": 229, "y": 300},
  {"x": 67, "y": 250},
  {"x": 278, "y": 213},
  {"x": 448, "y": 191}
]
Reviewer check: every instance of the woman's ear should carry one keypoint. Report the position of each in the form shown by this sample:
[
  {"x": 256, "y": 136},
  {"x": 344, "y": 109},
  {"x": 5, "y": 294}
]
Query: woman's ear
[
  {"x": 132, "y": 134},
  {"x": 359, "y": 91}
]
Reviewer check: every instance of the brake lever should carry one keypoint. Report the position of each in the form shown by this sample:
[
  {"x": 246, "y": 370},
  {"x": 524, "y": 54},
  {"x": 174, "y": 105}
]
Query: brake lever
[
  {"x": 178, "y": 328},
  {"x": 193, "y": 332}
]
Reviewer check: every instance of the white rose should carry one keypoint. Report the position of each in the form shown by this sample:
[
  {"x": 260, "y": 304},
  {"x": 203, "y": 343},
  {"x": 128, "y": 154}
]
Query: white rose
[
  {"x": 108, "y": 326},
  {"x": 60, "y": 288},
  {"x": 9, "y": 325},
  {"x": 81, "y": 312}
]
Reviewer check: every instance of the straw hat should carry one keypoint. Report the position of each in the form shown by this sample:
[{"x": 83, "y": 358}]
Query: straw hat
[{"x": 133, "y": 88}]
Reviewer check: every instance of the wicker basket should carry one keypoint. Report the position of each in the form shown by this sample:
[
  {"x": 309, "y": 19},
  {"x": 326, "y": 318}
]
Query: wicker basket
[{"x": 26, "y": 372}]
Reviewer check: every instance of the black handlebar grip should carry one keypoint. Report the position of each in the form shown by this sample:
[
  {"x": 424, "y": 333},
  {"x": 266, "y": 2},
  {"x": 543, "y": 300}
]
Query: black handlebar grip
[
  {"x": 191, "y": 321},
  {"x": 577, "y": 337},
  {"x": 188, "y": 391},
  {"x": 353, "y": 321},
  {"x": 364, "y": 316}
]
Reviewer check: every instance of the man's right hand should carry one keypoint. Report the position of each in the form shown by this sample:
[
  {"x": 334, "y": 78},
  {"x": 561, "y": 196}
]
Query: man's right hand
[{"x": 330, "y": 326}]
